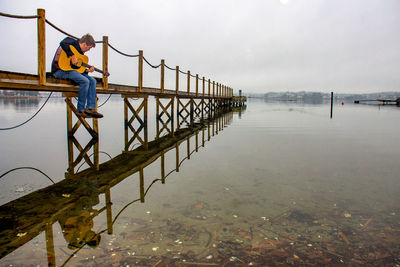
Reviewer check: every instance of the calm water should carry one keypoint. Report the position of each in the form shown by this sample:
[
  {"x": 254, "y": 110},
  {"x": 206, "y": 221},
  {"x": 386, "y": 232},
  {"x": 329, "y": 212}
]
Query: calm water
[{"x": 280, "y": 184}]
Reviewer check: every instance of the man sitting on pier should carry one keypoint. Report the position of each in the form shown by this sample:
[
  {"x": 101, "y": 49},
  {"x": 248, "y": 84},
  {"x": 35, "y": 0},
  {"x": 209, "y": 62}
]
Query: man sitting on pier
[{"x": 74, "y": 50}]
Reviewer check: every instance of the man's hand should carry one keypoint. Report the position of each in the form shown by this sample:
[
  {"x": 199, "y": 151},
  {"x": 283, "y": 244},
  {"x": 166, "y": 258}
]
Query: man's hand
[
  {"x": 74, "y": 60},
  {"x": 91, "y": 69}
]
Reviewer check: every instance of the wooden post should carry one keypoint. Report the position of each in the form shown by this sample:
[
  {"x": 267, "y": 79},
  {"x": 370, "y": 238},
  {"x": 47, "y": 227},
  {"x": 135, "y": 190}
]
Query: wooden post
[
  {"x": 209, "y": 87},
  {"x": 331, "y": 104},
  {"x": 105, "y": 61},
  {"x": 188, "y": 82},
  {"x": 172, "y": 115},
  {"x": 213, "y": 89},
  {"x": 197, "y": 85},
  {"x": 141, "y": 185},
  {"x": 163, "y": 167},
  {"x": 41, "y": 31},
  {"x": 126, "y": 123},
  {"x": 204, "y": 86},
  {"x": 146, "y": 131},
  {"x": 109, "y": 211},
  {"x": 177, "y": 156},
  {"x": 140, "y": 78},
  {"x": 197, "y": 141},
  {"x": 188, "y": 147},
  {"x": 162, "y": 75},
  {"x": 70, "y": 143},
  {"x": 51, "y": 255},
  {"x": 177, "y": 80}
]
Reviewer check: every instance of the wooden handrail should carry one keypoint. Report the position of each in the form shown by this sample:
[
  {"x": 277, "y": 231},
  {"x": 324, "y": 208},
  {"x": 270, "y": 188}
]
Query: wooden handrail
[{"x": 41, "y": 31}]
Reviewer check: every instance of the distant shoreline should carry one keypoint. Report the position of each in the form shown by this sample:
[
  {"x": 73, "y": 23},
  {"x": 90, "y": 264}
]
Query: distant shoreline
[{"x": 20, "y": 96}]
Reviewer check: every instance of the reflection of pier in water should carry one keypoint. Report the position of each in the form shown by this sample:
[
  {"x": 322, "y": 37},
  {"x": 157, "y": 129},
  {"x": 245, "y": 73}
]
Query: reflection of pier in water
[{"x": 70, "y": 201}]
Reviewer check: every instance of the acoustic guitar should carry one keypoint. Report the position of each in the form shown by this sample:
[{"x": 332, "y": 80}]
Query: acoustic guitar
[{"x": 65, "y": 64}]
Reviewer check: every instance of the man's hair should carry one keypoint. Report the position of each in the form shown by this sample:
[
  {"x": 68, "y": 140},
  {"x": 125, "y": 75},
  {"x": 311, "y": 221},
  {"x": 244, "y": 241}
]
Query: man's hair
[{"x": 88, "y": 39}]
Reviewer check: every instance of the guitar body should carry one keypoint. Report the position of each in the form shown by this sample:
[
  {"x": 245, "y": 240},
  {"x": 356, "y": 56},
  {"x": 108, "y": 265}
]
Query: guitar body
[{"x": 64, "y": 62}]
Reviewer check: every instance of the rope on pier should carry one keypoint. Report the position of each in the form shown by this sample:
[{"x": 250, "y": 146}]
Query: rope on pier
[
  {"x": 18, "y": 16},
  {"x": 104, "y": 101},
  {"x": 28, "y": 168},
  {"x": 58, "y": 29},
  {"x": 37, "y": 112},
  {"x": 116, "y": 50},
  {"x": 169, "y": 67},
  {"x": 154, "y": 67},
  {"x": 183, "y": 72}
]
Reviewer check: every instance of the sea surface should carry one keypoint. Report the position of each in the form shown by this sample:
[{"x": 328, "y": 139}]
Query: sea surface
[{"x": 273, "y": 183}]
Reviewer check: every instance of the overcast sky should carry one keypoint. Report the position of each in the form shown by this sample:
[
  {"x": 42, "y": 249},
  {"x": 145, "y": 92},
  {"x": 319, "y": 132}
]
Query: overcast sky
[{"x": 345, "y": 46}]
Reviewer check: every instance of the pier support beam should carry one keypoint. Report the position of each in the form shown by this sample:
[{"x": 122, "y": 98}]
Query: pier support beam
[
  {"x": 184, "y": 111},
  {"x": 165, "y": 110},
  {"x": 133, "y": 116},
  {"x": 72, "y": 141}
]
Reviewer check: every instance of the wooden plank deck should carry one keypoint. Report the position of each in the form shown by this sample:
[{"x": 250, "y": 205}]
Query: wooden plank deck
[{"x": 30, "y": 82}]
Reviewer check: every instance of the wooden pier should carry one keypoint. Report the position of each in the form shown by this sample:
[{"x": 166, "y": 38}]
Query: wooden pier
[
  {"x": 202, "y": 108},
  {"x": 175, "y": 107}
]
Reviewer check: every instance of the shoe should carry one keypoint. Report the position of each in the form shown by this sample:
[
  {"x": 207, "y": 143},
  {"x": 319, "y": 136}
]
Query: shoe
[
  {"x": 93, "y": 113},
  {"x": 82, "y": 114}
]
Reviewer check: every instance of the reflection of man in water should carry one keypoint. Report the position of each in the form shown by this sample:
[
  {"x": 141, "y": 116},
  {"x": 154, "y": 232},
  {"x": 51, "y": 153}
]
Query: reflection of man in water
[{"x": 77, "y": 223}]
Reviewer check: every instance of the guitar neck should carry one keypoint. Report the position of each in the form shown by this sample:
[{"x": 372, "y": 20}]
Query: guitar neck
[{"x": 96, "y": 69}]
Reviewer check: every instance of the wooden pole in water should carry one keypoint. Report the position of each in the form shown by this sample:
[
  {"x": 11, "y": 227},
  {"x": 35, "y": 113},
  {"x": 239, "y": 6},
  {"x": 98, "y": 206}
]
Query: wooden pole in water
[
  {"x": 105, "y": 61},
  {"x": 163, "y": 167},
  {"x": 177, "y": 156},
  {"x": 41, "y": 31},
  {"x": 188, "y": 147},
  {"x": 51, "y": 255},
  {"x": 109, "y": 210},
  {"x": 140, "y": 72},
  {"x": 141, "y": 174},
  {"x": 331, "y": 104}
]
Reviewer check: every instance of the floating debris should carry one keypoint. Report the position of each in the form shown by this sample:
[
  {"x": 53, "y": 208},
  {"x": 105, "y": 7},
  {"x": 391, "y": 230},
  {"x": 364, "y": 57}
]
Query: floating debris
[
  {"x": 233, "y": 258},
  {"x": 155, "y": 248},
  {"x": 209, "y": 257},
  {"x": 235, "y": 216},
  {"x": 148, "y": 212},
  {"x": 347, "y": 214},
  {"x": 21, "y": 234},
  {"x": 66, "y": 195},
  {"x": 178, "y": 241}
]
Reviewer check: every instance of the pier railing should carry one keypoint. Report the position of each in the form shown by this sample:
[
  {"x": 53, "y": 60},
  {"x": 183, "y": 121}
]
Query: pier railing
[{"x": 203, "y": 88}]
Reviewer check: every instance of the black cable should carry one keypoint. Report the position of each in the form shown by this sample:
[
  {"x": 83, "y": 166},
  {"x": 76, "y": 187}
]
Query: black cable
[
  {"x": 58, "y": 29},
  {"x": 29, "y": 168},
  {"x": 92, "y": 155},
  {"x": 104, "y": 101},
  {"x": 169, "y": 67},
  {"x": 116, "y": 50},
  {"x": 18, "y": 16},
  {"x": 154, "y": 67},
  {"x": 13, "y": 127}
]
